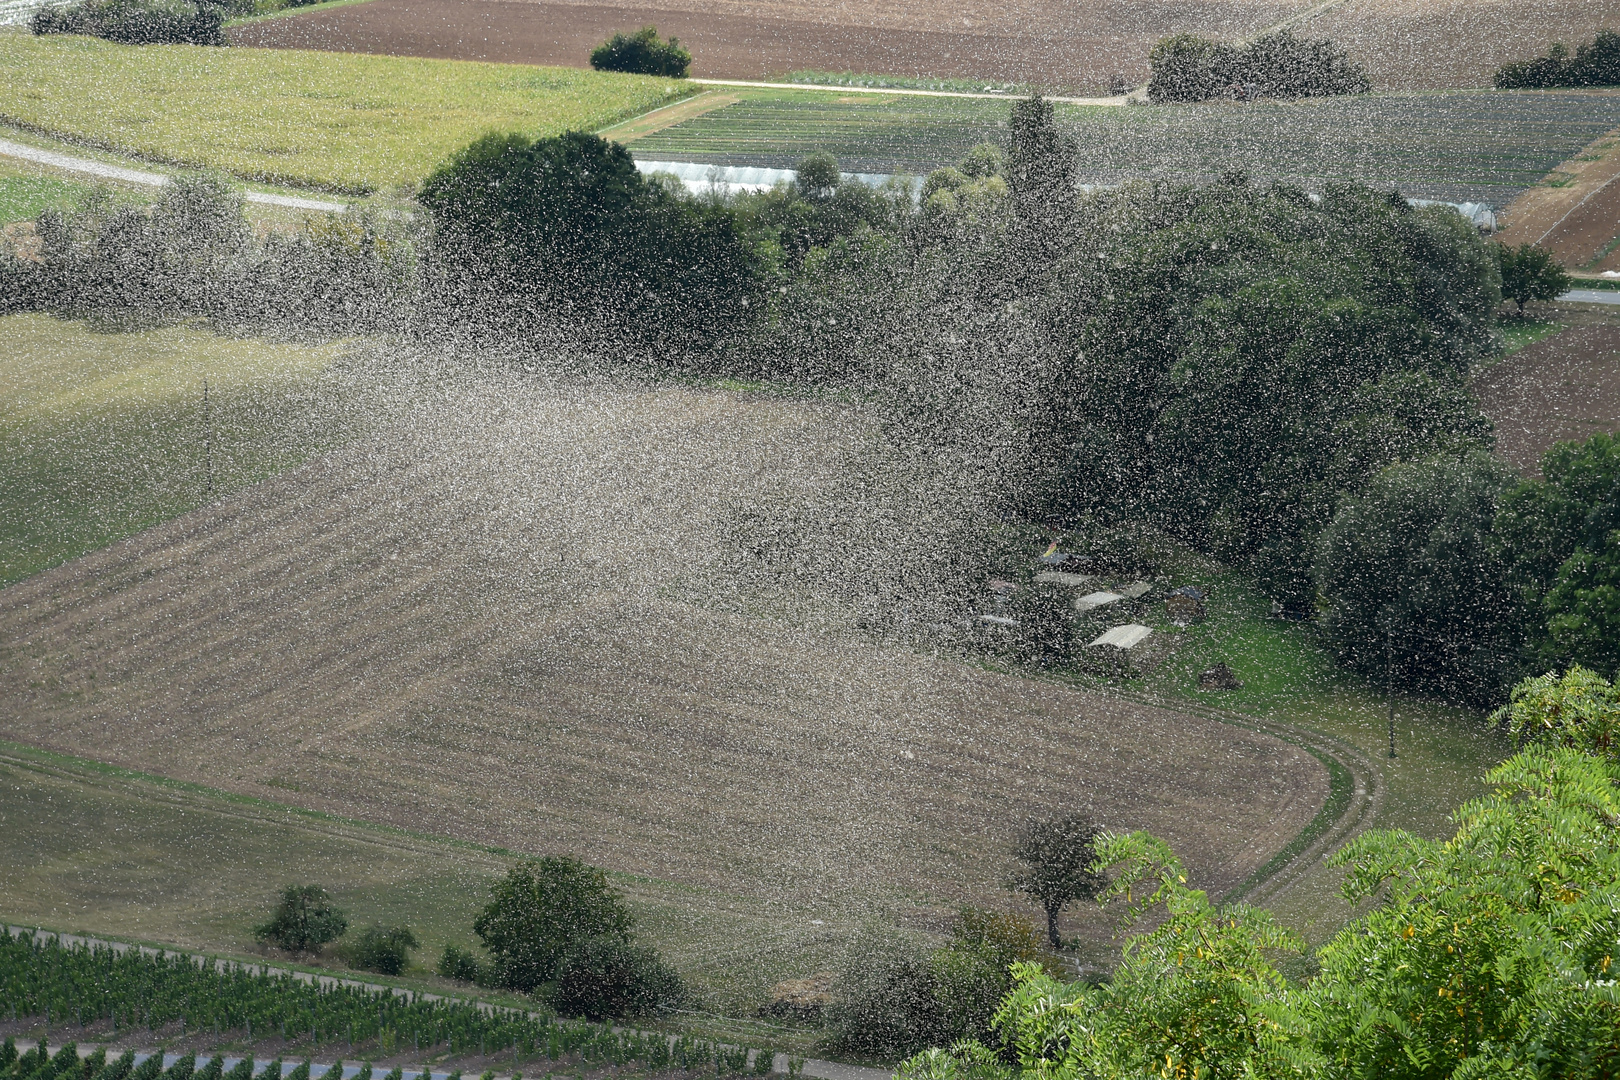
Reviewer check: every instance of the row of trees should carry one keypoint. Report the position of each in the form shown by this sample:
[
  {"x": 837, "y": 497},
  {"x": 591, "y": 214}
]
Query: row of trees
[
  {"x": 1281, "y": 65},
  {"x": 1452, "y": 574},
  {"x": 137, "y": 22},
  {"x": 133, "y": 989},
  {"x": 1491, "y": 954},
  {"x": 1596, "y": 63}
]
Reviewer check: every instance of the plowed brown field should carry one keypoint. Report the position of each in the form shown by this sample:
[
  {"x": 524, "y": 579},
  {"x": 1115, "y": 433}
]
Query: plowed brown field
[
  {"x": 502, "y": 621},
  {"x": 1564, "y": 387},
  {"x": 1403, "y": 43}
]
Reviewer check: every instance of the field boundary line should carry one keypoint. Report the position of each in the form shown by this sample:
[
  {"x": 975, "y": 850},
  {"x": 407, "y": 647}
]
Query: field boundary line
[
  {"x": 820, "y": 87},
  {"x": 819, "y": 1069}
]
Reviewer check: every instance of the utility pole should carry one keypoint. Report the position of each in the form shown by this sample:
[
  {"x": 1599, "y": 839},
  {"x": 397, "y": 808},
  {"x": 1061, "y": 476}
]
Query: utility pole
[
  {"x": 1389, "y": 683},
  {"x": 208, "y": 440}
]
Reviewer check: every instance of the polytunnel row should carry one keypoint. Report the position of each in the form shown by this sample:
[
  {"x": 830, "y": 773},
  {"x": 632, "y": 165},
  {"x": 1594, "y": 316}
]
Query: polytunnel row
[{"x": 131, "y": 989}]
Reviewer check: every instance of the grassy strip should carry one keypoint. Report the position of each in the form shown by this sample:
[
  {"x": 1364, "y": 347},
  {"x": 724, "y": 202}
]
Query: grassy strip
[
  {"x": 1517, "y": 333},
  {"x": 1341, "y": 785},
  {"x": 900, "y": 82},
  {"x": 331, "y": 121},
  {"x": 264, "y": 13},
  {"x": 104, "y": 434}
]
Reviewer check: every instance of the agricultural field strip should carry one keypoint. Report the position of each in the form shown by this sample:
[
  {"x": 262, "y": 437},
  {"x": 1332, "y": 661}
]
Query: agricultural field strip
[
  {"x": 1101, "y": 101},
  {"x": 822, "y": 1070},
  {"x": 136, "y": 176}
]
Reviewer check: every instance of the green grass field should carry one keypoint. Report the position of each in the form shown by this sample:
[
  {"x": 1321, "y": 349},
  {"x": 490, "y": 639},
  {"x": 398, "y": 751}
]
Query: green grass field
[
  {"x": 94, "y": 849},
  {"x": 1459, "y": 146},
  {"x": 333, "y": 121},
  {"x": 25, "y": 191},
  {"x": 103, "y": 434}
]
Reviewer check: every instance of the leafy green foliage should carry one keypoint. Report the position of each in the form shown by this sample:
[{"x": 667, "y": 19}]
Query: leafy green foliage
[
  {"x": 608, "y": 977},
  {"x": 462, "y": 965},
  {"x": 1280, "y": 65},
  {"x": 1578, "y": 710},
  {"x": 1596, "y": 63},
  {"x": 304, "y": 920},
  {"x": 1583, "y": 608},
  {"x": 540, "y": 911},
  {"x": 1529, "y": 273},
  {"x": 1055, "y": 857},
  {"x": 884, "y": 1002},
  {"x": 1413, "y": 583},
  {"x": 136, "y": 22},
  {"x": 563, "y": 235},
  {"x": 383, "y": 949},
  {"x": 642, "y": 53}
]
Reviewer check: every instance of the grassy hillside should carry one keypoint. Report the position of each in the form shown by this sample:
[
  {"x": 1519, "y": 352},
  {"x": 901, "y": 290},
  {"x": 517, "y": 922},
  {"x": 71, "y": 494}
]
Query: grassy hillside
[
  {"x": 103, "y": 434},
  {"x": 326, "y": 120}
]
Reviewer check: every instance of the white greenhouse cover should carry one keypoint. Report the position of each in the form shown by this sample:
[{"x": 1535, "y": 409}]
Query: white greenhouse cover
[{"x": 1123, "y": 637}]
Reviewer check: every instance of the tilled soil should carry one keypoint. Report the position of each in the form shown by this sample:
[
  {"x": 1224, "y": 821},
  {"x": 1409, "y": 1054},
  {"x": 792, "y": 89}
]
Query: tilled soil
[
  {"x": 503, "y": 621},
  {"x": 1405, "y": 44},
  {"x": 1564, "y": 387}
]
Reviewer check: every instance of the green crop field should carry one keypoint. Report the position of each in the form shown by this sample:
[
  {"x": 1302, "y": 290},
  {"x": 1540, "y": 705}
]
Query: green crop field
[
  {"x": 103, "y": 434},
  {"x": 1461, "y": 146},
  {"x": 334, "y": 121}
]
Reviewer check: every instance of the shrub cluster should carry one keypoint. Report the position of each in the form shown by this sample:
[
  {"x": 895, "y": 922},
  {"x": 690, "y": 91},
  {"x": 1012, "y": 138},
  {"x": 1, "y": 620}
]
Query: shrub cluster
[
  {"x": 1280, "y": 65},
  {"x": 642, "y": 53},
  {"x": 555, "y": 927},
  {"x": 1596, "y": 63},
  {"x": 137, "y": 22},
  {"x": 192, "y": 255},
  {"x": 892, "y": 998}
]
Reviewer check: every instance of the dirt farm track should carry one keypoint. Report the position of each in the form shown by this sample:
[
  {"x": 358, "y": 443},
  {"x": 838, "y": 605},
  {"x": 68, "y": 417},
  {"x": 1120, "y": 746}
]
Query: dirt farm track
[
  {"x": 493, "y": 620},
  {"x": 1411, "y": 44}
]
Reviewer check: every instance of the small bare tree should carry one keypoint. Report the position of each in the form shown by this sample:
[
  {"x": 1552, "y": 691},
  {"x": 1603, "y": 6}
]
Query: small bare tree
[{"x": 1056, "y": 854}]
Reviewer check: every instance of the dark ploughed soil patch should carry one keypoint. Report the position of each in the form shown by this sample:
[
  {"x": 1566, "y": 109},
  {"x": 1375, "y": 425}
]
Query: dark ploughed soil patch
[
  {"x": 724, "y": 46},
  {"x": 1564, "y": 387},
  {"x": 1404, "y": 45}
]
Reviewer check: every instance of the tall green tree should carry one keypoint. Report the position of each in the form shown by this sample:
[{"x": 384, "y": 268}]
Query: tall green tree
[
  {"x": 304, "y": 919},
  {"x": 1055, "y": 857},
  {"x": 1530, "y": 273},
  {"x": 540, "y": 910}
]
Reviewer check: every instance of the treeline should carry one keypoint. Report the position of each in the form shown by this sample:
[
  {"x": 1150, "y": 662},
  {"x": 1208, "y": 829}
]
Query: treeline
[
  {"x": 1491, "y": 954},
  {"x": 1232, "y": 366},
  {"x": 1596, "y": 63},
  {"x": 133, "y": 990},
  {"x": 1281, "y": 65}
]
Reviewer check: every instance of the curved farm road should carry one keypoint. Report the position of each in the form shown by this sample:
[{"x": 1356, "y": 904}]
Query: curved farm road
[{"x": 513, "y": 619}]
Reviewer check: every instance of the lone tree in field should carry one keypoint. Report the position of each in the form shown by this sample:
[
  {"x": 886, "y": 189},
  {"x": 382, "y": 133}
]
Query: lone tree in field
[
  {"x": 1530, "y": 273},
  {"x": 540, "y": 910},
  {"x": 1057, "y": 855},
  {"x": 304, "y": 920},
  {"x": 642, "y": 53}
]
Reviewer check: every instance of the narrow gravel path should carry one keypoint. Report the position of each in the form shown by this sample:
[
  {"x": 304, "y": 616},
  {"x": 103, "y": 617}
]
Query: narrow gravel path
[{"x": 150, "y": 179}]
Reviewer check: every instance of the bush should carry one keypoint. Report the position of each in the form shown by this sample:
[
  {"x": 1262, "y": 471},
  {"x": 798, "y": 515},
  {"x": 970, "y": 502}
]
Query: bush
[
  {"x": 1414, "y": 584},
  {"x": 1529, "y": 273},
  {"x": 562, "y": 239},
  {"x": 462, "y": 965},
  {"x": 1280, "y": 65},
  {"x": 884, "y": 1002},
  {"x": 383, "y": 949},
  {"x": 304, "y": 920},
  {"x": 137, "y": 22},
  {"x": 609, "y": 978},
  {"x": 972, "y": 974},
  {"x": 1594, "y": 64},
  {"x": 540, "y": 910},
  {"x": 642, "y": 53}
]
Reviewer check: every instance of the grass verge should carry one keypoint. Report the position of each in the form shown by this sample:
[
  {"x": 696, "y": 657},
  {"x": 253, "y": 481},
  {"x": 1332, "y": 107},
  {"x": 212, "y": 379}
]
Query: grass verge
[
  {"x": 112, "y": 852},
  {"x": 104, "y": 434},
  {"x": 331, "y": 121}
]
